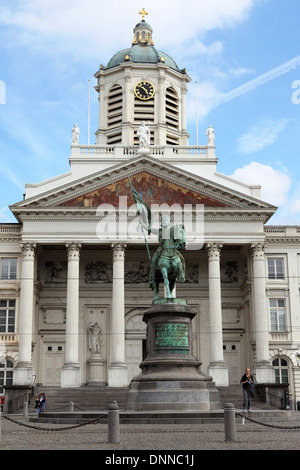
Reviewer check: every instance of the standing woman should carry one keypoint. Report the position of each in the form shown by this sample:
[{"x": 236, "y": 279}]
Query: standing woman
[{"x": 248, "y": 383}]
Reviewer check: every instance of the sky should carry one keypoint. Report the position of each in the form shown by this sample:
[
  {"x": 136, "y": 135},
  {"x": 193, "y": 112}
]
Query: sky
[{"x": 243, "y": 58}]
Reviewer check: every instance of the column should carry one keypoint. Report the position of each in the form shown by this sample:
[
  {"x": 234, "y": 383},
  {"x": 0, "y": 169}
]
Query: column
[
  {"x": 216, "y": 368},
  {"x": 263, "y": 368},
  {"x": 127, "y": 133},
  {"x": 160, "y": 138},
  {"x": 24, "y": 372},
  {"x": 70, "y": 374},
  {"x": 117, "y": 372}
]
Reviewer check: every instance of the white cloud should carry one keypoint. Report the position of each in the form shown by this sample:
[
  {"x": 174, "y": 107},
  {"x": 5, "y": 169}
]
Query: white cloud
[
  {"x": 261, "y": 135},
  {"x": 275, "y": 184},
  {"x": 85, "y": 29},
  {"x": 295, "y": 206},
  {"x": 241, "y": 71}
]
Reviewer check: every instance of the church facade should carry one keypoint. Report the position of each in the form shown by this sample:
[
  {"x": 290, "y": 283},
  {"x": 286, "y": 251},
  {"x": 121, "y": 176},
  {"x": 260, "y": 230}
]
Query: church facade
[{"x": 75, "y": 266}]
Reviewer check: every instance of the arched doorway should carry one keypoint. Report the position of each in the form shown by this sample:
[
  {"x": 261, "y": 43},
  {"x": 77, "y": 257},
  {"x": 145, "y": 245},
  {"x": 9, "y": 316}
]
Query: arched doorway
[{"x": 135, "y": 341}]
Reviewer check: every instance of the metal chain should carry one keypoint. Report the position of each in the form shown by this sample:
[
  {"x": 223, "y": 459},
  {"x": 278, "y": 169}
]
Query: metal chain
[
  {"x": 94, "y": 421},
  {"x": 97, "y": 420},
  {"x": 267, "y": 425}
]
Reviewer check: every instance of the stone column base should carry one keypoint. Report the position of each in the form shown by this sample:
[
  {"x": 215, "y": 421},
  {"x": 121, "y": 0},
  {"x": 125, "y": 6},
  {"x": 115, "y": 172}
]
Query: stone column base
[
  {"x": 70, "y": 376},
  {"x": 23, "y": 374},
  {"x": 264, "y": 373},
  {"x": 219, "y": 372},
  {"x": 117, "y": 375}
]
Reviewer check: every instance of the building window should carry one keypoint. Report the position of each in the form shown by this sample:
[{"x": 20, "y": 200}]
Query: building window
[
  {"x": 277, "y": 314},
  {"x": 275, "y": 268},
  {"x": 6, "y": 374},
  {"x": 281, "y": 371},
  {"x": 9, "y": 268},
  {"x": 7, "y": 316}
]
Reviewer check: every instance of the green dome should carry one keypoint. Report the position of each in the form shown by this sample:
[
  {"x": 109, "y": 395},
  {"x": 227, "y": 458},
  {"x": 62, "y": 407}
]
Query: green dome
[{"x": 142, "y": 55}]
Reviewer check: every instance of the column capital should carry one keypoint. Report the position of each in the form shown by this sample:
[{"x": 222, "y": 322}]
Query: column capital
[
  {"x": 28, "y": 250},
  {"x": 73, "y": 250},
  {"x": 214, "y": 250},
  {"x": 118, "y": 250},
  {"x": 258, "y": 250}
]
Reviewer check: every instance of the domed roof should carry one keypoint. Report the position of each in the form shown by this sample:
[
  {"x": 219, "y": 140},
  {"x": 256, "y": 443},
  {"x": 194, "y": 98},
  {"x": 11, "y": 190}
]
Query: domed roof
[
  {"x": 142, "y": 50},
  {"x": 143, "y": 54}
]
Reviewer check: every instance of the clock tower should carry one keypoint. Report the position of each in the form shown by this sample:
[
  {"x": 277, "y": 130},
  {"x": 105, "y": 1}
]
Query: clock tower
[{"x": 142, "y": 83}]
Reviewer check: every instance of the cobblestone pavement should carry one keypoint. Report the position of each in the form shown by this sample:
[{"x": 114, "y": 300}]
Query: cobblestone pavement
[{"x": 152, "y": 437}]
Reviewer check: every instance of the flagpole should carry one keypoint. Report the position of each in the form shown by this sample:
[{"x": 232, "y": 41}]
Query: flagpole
[
  {"x": 197, "y": 111},
  {"x": 89, "y": 113}
]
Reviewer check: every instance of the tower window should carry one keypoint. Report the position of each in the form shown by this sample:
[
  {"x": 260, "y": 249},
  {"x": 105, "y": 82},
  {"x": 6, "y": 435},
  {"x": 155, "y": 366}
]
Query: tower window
[
  {"x": 115, "y": 114},
  {"x": 172, "y": 109}
]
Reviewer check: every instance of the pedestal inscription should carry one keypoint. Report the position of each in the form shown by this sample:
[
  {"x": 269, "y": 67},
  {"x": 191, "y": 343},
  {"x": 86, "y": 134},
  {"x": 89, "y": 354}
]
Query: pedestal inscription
[{"x": 174, "y": 336}]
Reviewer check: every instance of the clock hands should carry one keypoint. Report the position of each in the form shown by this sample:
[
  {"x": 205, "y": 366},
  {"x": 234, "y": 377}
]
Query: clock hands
[{"x": 145, "y": 90}]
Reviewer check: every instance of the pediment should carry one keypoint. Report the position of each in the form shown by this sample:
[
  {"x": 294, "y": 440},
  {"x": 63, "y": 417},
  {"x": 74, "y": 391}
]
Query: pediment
[{"x": 156, "y": 181}]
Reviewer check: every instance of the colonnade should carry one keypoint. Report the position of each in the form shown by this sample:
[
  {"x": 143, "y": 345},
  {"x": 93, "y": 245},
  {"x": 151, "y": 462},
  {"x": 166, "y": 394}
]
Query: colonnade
[{"x": 117, "y": 372}]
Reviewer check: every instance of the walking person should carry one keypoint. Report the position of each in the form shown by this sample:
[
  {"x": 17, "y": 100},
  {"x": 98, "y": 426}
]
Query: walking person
[
  {"x": 43, "y": 402},
  {"x": 38, "y": 404},
  {"x": 248, "y": 385}
]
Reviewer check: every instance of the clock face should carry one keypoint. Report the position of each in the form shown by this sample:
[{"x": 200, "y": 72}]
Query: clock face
[{"x": 144, "y": 90}]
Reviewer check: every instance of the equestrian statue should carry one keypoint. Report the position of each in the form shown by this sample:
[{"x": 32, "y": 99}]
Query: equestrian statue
[{"x": 167, "y": 264}]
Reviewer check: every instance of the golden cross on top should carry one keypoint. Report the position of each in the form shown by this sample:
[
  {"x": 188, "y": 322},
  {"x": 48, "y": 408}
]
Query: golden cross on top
[{"x": 143, "y": 13}]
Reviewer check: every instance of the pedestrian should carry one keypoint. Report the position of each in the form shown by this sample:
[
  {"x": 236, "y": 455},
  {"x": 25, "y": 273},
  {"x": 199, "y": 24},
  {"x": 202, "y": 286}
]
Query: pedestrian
[
  {"x": 43, "y": 402},
  {"x": 38, "y": 404},
  {"x": 248, "y": 385}
]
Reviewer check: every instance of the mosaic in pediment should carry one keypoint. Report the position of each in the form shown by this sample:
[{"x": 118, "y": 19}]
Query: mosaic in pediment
[{"x": 153, "y": 190}]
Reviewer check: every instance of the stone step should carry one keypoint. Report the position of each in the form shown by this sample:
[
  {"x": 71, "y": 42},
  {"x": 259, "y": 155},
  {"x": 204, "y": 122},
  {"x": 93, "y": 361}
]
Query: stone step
[
  {"x": 125, "y": 417},
  {"x": 83, "y": 398}
]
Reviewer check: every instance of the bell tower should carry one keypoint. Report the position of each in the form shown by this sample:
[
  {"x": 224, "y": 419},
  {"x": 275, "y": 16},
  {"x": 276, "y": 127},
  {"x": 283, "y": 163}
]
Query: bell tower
[{"x": 142, "y": 83}]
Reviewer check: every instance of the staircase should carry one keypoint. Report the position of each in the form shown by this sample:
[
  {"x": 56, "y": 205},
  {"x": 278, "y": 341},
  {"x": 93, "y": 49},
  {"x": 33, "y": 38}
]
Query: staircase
[
  {"x": 234, "y": 394},
  {"x": 89, "y": 402},
  {"x": 99, "y": 398},
  {"x": 83, "y": 398}
]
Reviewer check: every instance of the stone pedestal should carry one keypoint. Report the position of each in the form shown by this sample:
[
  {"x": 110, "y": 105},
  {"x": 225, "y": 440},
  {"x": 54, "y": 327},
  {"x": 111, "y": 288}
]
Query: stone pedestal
[
  {"x": 96, "y": 370},
  {"x": 171, "y": 378}
]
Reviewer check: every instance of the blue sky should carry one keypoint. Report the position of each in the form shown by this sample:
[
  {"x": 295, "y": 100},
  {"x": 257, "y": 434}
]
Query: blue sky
[{"x": 243, "y": 54}]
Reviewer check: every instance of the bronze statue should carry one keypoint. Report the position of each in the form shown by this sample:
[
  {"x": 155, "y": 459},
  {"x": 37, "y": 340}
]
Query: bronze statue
[{"x": 167, "y": 263}]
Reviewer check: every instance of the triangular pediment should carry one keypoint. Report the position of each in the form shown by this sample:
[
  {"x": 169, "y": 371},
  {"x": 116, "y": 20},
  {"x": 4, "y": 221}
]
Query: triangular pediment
[{"x": 156, "y": 181}]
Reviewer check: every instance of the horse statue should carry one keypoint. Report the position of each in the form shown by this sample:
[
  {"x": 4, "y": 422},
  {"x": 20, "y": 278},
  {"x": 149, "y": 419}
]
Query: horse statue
[{"x": 167, "y": 264}]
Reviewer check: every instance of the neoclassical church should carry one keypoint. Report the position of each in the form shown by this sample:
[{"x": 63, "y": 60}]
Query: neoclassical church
[{"x": 75, "y": 266}]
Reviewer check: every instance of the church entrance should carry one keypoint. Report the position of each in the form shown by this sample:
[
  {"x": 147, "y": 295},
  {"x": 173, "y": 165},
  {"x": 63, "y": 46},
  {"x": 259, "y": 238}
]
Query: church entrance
[
  {"x": 53, "y": 360},
  {"x": 232, "y": 358}
]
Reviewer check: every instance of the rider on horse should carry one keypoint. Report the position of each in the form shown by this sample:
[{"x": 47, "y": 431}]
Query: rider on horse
[{"x": 169, "y": 239}]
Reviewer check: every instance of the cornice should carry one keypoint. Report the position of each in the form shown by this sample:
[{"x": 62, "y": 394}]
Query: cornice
[{"x": 203, "y": 186}]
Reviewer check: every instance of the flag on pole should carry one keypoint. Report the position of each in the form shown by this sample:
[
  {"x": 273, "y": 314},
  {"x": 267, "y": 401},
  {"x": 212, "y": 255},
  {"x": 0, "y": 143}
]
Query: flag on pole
[
  {"x": 144, "y": 213},
  {"x": 142, "y": 208}
]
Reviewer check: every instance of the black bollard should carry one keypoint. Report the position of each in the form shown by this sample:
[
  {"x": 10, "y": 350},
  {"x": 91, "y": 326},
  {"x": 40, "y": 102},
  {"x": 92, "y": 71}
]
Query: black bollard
[{"x": 229, "y": 422}]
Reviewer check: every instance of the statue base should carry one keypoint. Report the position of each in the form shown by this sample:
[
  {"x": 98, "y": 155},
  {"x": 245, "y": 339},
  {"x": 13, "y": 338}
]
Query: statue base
[
  {"x": 171, "y": 379},
  {"x": 96, "y": 370}
]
